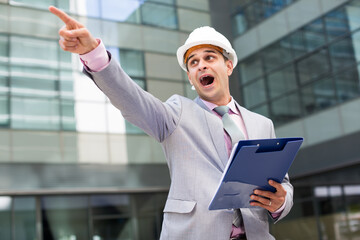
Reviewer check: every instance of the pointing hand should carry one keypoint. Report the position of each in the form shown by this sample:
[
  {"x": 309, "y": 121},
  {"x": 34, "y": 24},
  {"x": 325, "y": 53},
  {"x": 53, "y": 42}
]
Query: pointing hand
[{"x": 74, "y": 37}]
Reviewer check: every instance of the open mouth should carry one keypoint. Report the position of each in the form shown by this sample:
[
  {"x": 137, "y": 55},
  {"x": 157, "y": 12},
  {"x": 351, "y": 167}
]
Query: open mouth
[{"x": 206, "y": 80}]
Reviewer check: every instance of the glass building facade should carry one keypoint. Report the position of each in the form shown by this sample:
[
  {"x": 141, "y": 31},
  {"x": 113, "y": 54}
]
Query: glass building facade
[
  {"x": 300, "y": 67},
  {"x": 72, "y": 168},
  {"x": 307, "y": 71}
]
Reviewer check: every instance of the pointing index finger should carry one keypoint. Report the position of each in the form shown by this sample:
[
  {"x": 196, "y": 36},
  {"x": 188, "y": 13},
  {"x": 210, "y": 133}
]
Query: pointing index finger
[{"x": 62, "y": 15}]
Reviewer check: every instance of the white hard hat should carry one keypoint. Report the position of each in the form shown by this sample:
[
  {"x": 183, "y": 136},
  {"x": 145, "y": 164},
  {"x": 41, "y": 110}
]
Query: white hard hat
[{"x": 206, "y": 35}]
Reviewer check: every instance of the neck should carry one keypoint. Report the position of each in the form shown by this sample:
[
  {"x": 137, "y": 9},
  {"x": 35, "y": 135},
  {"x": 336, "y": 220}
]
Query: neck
[{"x": 223, "y": 102}]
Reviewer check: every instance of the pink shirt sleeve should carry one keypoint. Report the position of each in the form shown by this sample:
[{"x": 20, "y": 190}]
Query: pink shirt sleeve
[
  {"x": 278, "y": 212},
  {"x": 97, "y": 59}
]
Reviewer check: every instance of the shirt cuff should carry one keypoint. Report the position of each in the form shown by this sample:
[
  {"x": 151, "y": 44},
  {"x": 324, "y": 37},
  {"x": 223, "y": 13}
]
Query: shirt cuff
[
  {"x": 278, "y": 212},
  {"x": 97, "y": 59}
]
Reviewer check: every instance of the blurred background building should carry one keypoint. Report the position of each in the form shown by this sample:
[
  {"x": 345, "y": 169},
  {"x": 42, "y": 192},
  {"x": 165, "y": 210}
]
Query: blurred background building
[{"x": 72, "y": 168}]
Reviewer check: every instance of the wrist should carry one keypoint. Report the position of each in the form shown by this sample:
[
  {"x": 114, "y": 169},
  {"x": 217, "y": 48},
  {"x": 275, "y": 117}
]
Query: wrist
[{"x": 94, "y": 44}]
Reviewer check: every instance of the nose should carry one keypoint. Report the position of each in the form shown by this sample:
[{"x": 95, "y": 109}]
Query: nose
[{"x": 202, "y": 65}]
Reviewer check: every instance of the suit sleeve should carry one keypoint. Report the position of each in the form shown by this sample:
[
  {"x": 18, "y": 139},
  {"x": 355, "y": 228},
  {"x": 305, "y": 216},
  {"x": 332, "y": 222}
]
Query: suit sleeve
[
  {"x": 139, "y": 107},
  {"x": 286, "y": 185}
]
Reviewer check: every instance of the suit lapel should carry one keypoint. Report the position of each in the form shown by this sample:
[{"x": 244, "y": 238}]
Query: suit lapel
[
  {"x": 250, "y": 127},
  {"x": 216, "y": 131}
]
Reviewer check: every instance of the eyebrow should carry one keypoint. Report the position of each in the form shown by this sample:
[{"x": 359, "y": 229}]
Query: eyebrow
[{"x": 208, "y": 51}]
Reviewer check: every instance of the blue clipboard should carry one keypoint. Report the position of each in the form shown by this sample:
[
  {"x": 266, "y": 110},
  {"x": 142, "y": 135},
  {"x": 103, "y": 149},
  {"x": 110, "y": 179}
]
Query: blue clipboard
[{"x": 251, "y": 165}]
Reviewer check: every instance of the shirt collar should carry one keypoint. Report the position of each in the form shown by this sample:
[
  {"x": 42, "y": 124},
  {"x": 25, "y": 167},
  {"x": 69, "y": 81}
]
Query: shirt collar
[{"x": 231, "y": 105}]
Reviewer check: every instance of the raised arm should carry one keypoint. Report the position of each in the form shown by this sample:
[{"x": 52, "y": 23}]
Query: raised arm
[{"x": 74, "y": 37}]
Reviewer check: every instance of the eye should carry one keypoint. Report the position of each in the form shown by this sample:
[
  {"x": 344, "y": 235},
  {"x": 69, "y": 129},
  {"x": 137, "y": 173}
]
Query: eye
[
  {"x": 210, "y": 57},
  {"x": 193, "y": 62}
]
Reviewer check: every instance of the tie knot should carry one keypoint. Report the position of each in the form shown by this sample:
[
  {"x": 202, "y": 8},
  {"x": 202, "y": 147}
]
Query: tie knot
[{"x": 221, "y": 110}]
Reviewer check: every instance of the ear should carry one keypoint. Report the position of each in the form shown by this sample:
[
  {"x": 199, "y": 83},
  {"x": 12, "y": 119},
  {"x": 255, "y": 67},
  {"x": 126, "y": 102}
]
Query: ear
[{"x": 230, "y": 67}]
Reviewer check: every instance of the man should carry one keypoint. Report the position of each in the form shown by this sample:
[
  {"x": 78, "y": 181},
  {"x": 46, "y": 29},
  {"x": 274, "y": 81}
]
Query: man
[{"x": 191, "y": 133}]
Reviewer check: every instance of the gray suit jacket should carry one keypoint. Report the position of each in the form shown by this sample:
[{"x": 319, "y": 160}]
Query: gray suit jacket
[{"x": 193, "y": 142}]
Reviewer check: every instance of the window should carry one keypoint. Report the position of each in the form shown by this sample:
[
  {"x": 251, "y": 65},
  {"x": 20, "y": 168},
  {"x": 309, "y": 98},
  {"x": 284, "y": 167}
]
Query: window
[
  {"x": 159, "y": 15},
  {"x": 254, "y": 93},
  {"x": 282, "y": 81},
  {"x": 112, "y": 217},
  {"x": 313, "y": 66},
  {"x": 132, "y": 62},
  {"x": 314, "y": 35},
  {"x": 122, "y": 11},
  {"x": 24, "y": 218},
  {"x": 336, "y": 23},
  {"x": 347, "y": 84},
  {"x": 318, "y": 95},
  {"x": 34, "y": 3},
  {"x": 247, "y": 14},
  {"x": 250, "y": 68},
  {"x": 342, "y": 54},
  {"x": 285, "y": 109},
  {"x": 297, "y": 44},
  {"x": 31, "y": 113},
  {"x": 34, "y": 67},
  {"x": 65, "y": 217},
  {"x": 5, "y": 217},
  {"x": 277, "y": 54}
]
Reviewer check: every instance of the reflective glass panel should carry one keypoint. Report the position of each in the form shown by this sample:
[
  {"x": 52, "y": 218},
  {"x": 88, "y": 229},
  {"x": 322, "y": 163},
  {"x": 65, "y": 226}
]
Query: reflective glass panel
[
  {"x": 352, "y": 198},
  {"x": 4, "y": 110},
  {"x": 342, "y": 54},
  {"x": 66, "y": 85},
  {"x": 132, "y": 62},
  {"x": 171, "y": 2},
  {"x": 112, "y": 217},
  {"x": 34, "y": 3},
  {"x": 277, "y": 54},
  {"x": 273, "y": 6},
  {"x": 25, "y": 218},
  {"x": 110, "y": 204},
  {"x": 159, "y": 15},
  {"x": 239, "y": 24},
  {"x": 313, "y": 66},
  {"x": 28, "y": 113},
  {"x": 355, "y": 37},
  {"x": 331, "y": 213},
  {"x": 254, "y": 93},
  {"x": 90, "y": 8},
  {"x": 115, "y": 228},
  {"x": 301, "y": 221},
  {"x": 282, "y": 81},
  {"x": 5, "y": 217},
  {"x": 347, "y": 84},
  {"x": 68, "y": 120},
  {"x": 33, "y": 52},
  {"x": 285, "y": 109},
  {"x": 314, "y": 35},
  {"x": 297, "y": 44},
  {"x": 65, "y": 217},
  {"x": 123, "y": 11},
  {"x": 251, "y": 14},
  {"x": 33, "y": 81},
  {"x": 250, "y": 68},
  {"x": 318, "y": 95},
  {"x": 4, "y": 49},
  {"x": 353, "y": 12},
  {"x": 150, "y": 211},
  {"x": 336, "y": 23},
  {"x": 236, "y": 4}
]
